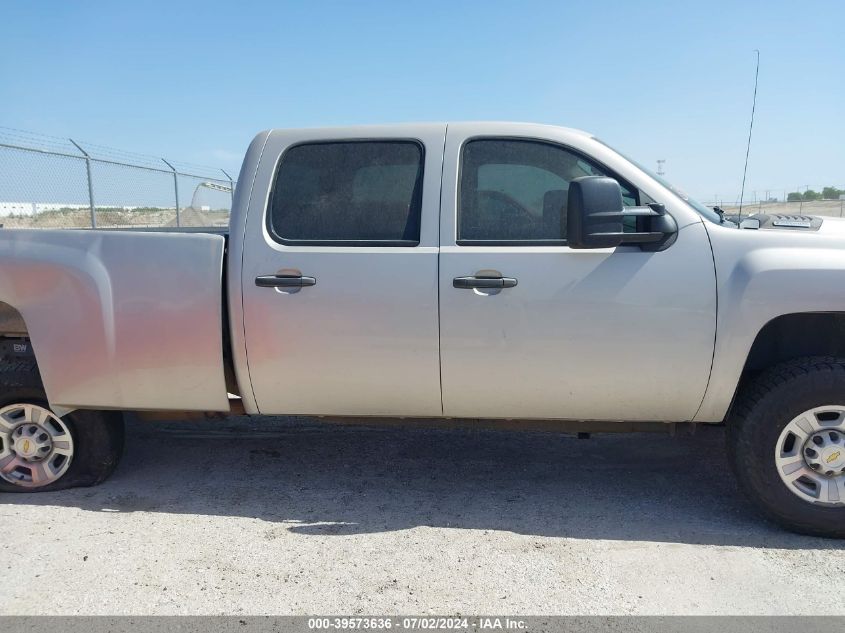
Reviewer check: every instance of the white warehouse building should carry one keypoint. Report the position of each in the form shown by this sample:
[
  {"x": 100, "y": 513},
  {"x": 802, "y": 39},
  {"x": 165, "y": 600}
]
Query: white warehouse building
[{"x": 31, "y": 208}]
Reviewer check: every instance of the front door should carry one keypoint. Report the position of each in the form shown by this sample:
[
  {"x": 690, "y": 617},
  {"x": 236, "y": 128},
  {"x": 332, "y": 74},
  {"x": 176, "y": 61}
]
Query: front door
[
  {"x": 533, "y": 329},
  {"x": 340, "y": 274}
]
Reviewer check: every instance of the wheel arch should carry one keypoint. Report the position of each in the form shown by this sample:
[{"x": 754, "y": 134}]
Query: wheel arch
[
  {"x": 795, "y": 335},
  {"x": 792, "y": 336},
  {"x": 12, "y": 324}
]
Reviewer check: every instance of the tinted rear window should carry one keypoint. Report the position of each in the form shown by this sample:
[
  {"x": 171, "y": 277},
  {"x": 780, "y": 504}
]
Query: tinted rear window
[{"x": 355, "y": 193}]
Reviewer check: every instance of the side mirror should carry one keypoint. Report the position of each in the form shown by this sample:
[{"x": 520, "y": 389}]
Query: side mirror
[{"x": 595, "y": 218}]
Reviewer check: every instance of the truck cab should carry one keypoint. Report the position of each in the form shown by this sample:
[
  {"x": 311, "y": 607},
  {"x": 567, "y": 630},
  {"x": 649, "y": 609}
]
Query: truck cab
[{"x": 441, "y": 282}]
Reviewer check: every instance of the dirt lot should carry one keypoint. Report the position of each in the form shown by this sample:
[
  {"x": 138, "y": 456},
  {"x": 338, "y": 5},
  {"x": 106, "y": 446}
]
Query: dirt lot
[
  {"x": 288, "y": 516},
  {"x": 114, "y": 218},
  {"x": 829, "y": 208}
]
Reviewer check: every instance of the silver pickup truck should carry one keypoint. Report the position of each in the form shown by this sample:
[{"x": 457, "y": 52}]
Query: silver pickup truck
[{"x": 484, "y": 271}]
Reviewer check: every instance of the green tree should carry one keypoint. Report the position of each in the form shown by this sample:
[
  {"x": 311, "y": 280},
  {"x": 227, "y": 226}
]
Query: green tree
[
  {"x": 832, "y": 193},
  {"x": 811, "y": 195},
  {"x": 793, "y": 196}
]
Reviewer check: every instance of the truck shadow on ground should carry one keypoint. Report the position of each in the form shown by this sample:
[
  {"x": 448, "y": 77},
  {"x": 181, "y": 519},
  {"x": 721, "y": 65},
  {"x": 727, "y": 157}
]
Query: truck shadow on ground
[{"x": 324, "y": 479}]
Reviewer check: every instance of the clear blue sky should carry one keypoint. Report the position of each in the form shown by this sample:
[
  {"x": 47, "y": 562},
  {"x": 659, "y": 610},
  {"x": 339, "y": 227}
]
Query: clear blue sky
[{"x": 196, "y": 80}]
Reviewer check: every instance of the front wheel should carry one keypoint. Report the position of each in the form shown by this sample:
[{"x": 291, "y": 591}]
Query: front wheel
[{"x": 786, "y": 441}]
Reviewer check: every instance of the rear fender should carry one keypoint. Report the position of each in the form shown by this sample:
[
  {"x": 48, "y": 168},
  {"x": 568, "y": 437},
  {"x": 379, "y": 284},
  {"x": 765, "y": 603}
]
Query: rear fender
[{"x": 121, "y": 320}]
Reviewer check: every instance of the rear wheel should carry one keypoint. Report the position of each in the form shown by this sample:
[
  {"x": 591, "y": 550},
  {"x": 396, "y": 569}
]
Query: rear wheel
[
  {"x": 42, "y": 451},
  {"x": 36, "y": 446},
  {"x": 786, "y": 440}
]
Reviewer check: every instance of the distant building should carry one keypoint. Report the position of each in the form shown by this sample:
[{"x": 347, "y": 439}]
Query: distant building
[
  {"x": 31, "y": 208},
  {"x": 16, "y": 208}
]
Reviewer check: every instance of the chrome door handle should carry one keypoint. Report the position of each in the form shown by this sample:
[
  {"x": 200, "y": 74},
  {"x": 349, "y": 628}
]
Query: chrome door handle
[
  {"x": 483, "y": 282},
  {"x": 284, "y": 281}
]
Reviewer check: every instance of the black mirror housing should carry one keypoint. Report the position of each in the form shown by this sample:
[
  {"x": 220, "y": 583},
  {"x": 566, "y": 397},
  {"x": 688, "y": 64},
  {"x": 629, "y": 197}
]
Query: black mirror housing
[
  {"x": 594, "y": 213},
  {"x": 595, "y": 217}
]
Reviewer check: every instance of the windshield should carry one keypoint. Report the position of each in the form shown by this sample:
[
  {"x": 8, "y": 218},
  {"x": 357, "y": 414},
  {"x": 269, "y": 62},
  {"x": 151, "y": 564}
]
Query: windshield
[{"x": 705, "y": 212}]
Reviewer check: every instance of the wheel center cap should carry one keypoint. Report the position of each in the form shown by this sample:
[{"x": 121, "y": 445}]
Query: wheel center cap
[
  {"x": 833, "y": 457},
  {"x": 25, "y": 447}
]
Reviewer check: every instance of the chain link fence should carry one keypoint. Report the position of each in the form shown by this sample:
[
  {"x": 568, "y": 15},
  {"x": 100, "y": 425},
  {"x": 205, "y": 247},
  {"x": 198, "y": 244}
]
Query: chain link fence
[{"x": 50, "y": 182}]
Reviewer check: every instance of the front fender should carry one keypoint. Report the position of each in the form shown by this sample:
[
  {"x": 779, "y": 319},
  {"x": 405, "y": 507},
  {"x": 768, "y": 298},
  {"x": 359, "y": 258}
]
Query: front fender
[{"x": 762, "y": 275}]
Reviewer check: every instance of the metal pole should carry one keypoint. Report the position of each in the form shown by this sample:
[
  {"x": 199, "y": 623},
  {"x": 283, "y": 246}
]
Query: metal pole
[
  {"x": 231, "y": 184},
  {"x": 90, "y": 184},
  {"x": 176, "y": 190}
]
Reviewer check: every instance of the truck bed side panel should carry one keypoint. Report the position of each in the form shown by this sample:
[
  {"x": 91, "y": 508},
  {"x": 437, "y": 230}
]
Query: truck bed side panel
[{"x": 121, "y": 320}]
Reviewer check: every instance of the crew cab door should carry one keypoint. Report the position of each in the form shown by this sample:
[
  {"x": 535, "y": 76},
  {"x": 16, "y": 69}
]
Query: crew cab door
[
  {"x": 533, "y": 329},
  {"x": 339, "y": 273}
]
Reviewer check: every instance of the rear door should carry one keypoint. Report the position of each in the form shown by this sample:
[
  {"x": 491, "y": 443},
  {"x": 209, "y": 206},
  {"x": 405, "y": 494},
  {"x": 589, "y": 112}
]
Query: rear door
[
  {"x": 340, "y": 273},
  {"x": 533, "y": 329}
]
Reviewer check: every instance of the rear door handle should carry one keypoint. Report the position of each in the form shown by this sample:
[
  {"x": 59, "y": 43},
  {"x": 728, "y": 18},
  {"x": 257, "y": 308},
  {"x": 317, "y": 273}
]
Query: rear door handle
[
  {"x": 484, "y": 282},
  {"x": 284, "y": 281}
]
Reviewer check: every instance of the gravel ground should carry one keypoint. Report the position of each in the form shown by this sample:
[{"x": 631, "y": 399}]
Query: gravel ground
[{"x": 286, "y": 516}]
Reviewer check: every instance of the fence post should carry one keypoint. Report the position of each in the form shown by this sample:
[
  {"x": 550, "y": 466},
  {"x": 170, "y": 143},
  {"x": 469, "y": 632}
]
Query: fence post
[
  {"x": 231, "y": 186},
  {"x": 90, "y": 184},
  {"x": 176, "y": 190}
]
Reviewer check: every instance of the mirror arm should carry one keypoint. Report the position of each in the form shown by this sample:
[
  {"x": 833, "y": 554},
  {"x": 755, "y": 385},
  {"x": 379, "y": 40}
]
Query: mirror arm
[
  {"x": 635, "y": 238},
  {"x": 661, "y": 228},
  {"x": 651, "y": 211},
  {"x": 665, "y": 225}
]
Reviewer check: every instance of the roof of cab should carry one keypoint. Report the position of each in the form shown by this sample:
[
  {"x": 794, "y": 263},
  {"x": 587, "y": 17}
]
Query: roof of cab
[{"x": 499, "y": 125}]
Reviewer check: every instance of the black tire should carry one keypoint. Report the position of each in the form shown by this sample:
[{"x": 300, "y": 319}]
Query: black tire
[
  {"x": 762, "y": 411},
  {"x": 97, "y": 435}
]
